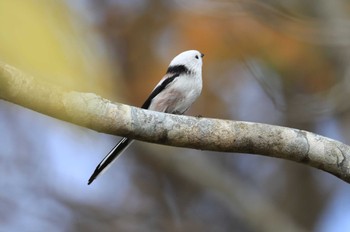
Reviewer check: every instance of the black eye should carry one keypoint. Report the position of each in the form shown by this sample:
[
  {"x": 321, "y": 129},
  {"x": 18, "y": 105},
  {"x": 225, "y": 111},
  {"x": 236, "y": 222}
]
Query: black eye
[{"x": 197, "y": 57}]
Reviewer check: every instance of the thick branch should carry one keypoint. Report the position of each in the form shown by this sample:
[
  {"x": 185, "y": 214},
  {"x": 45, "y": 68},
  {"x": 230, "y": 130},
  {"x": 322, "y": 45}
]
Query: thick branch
[{"x": 94, "y": 112}]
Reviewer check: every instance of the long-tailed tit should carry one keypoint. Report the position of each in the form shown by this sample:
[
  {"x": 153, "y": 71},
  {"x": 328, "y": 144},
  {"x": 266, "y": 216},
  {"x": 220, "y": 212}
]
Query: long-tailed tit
[{"x": 175, "y": 93}]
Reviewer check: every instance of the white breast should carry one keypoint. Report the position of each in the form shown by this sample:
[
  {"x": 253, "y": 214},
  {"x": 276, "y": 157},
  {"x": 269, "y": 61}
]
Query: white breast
[{"x": 179, "y": 95}]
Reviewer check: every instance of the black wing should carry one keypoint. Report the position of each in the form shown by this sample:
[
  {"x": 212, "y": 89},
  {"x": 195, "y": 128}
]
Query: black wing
[
  {"x": 173, "y": 72},
  {"x": 158, "y": 89}
]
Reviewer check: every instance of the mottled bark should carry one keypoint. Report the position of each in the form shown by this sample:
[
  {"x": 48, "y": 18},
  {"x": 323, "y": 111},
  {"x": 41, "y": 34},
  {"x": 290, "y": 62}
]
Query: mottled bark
[{"x": 94, "y": 112}]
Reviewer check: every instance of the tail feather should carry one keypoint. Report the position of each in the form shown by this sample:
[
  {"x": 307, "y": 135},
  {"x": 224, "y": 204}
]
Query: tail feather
[{"x": 109, "y": 158}]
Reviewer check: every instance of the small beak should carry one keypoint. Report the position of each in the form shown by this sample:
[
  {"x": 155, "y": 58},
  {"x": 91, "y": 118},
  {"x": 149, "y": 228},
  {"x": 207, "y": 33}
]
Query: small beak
[{"x": 202, "y": 55}]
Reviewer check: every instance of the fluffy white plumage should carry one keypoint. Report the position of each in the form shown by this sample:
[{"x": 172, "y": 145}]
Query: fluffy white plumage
[
  {"x": 180, "y": 93},
  {"x": 175, "y": 93}
]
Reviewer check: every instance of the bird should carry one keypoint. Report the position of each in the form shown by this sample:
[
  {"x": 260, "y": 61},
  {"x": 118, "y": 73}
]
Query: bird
[{"x": 174, "y": 94}]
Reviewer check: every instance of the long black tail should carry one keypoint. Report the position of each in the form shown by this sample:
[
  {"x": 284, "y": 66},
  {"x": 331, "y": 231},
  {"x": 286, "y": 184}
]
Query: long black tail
[{"x": 110, "y": 157}]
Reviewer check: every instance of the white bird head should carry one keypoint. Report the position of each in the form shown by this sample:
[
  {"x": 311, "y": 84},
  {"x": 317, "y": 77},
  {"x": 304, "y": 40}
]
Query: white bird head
[{"x": 191, "y": 59}]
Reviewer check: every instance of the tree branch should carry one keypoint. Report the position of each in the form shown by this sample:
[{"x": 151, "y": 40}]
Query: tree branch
[{"x": 94, "y": 112}]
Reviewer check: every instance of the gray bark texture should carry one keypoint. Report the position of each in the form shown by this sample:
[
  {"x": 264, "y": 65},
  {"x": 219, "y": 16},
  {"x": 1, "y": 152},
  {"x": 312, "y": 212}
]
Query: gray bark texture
[{"x": 94, "y": 112}]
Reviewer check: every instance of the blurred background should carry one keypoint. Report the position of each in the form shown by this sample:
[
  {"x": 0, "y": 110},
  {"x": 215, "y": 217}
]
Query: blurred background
[{"x": 278, "y": 62}]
